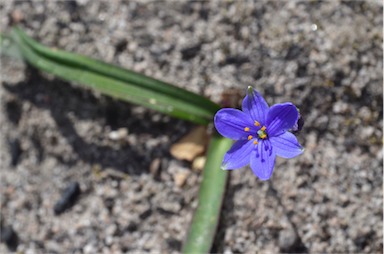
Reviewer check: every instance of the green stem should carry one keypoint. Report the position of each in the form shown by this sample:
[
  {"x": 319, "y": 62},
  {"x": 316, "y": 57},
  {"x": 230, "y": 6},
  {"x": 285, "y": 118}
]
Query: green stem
[
  {"x": 151, "y": 93},
  {"x": 212, "y": 190}
]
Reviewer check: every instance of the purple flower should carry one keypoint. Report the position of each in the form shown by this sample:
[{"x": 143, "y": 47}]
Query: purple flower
[{"x": 261, "y": 133}]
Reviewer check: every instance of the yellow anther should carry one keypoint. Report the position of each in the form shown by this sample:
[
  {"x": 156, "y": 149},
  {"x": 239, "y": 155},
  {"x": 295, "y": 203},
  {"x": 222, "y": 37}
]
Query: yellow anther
[
  {"x": 255, "y": 142},
  {"x": 250, "y": 137},
  {"x": 262, "y": 133},
  {"x": 257, "y": 123},
  {"x": 246, "y": 129}
]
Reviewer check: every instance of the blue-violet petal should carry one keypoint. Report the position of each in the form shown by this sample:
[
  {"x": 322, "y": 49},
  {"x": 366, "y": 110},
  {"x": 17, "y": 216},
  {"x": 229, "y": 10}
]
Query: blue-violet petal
[
  {"x": 263, "y": 160},
  {"x": 255, "y": 106},
  {"x": 231, "y": 123},
  {"x": 280, "y": 118},
  {"x": 238, "y": 155},
  {"x": 286, "y": 145}
]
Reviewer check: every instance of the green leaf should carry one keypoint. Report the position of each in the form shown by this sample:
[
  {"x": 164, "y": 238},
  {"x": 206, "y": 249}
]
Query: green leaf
[
  {"x": 154, "y": 94},
  {"x": 212, "y": 190},
  {"x": 131, "y": 86}
]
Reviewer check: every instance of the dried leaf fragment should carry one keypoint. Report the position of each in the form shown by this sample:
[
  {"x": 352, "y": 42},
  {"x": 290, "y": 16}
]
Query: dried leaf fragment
[{"x": 191, "y": 145}]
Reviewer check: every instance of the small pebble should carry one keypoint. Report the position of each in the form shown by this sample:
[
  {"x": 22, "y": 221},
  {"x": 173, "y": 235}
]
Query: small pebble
[
  {"x": 198, "y": 163},
  {"x": 9, "y": 237},
  {"x": 119, "y": 134},
  {"x": 174, "y": 244},
  {"x": 109, "y": 203},
  {"x": 180, "y": 178},
  {"x": 290, "y": 242},
  {"x": 132, "y": 226},
  {"x": 190, "y": 52},
  {"x": 155, "y": 168},
  {"x": 68, "y": 199},
  {"x": 17, "y": 16},
  {"x": 15, "y": 150},
  {"x": 145, "y": 214}
]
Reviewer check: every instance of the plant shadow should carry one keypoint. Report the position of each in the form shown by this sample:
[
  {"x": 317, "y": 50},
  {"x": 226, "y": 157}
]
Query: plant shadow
[{"x": 62, "y": 99}]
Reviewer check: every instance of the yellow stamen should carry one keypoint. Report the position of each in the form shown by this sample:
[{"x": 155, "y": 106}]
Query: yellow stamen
[
  {"x": 250, "y": 137},
  {"x": 246, "y": 129},
  {"x": 255, "y": 142},
  {"x": 262, "y": 133},
  {"x": 257, "y": 123}
]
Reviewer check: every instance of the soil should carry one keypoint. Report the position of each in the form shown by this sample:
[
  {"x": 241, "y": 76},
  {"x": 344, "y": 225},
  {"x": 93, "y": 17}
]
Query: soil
[{"x": 325, "y": 57}]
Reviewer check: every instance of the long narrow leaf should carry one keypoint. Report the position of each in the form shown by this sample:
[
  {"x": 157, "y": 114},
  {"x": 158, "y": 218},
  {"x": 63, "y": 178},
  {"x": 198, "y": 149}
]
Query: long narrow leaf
[
  {"x": 151, "y": 98},
  {"x": 212, "y": 189},
  {"x": 151, "y": 95},
  {"x": 116, "y": 72}
]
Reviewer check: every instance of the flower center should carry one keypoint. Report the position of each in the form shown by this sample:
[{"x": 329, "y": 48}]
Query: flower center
[{"x": 262, "y": 133}]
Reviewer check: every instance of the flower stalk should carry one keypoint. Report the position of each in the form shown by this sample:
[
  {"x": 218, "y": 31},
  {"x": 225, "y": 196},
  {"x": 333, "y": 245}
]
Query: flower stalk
[{"x": 204, "y": 223}]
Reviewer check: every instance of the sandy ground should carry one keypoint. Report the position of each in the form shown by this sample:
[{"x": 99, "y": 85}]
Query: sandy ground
[{"x": 326, "y": 57}]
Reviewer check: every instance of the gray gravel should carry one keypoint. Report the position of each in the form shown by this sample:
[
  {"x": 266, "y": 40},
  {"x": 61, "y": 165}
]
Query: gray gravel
[{"x": 326, "y": 57}]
